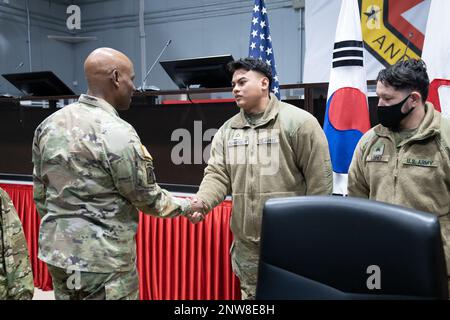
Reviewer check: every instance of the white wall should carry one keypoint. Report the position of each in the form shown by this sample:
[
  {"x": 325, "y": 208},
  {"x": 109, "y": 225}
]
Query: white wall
[{"x": 46, "y": 54}]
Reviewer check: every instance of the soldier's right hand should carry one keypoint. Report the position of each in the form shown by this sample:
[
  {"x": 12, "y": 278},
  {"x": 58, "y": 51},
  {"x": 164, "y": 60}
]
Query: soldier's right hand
[
  {"x": 196, "y": 217},
  {"x": 199, "y": 210}
]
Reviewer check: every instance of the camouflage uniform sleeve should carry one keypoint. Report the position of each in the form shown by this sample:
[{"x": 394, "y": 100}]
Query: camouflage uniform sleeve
[
  {"x": 19, "y": 277},
  {"x": 39, "y": 190},
  {"x": 133, "y": 174},
  {"x": 313, "y": 158},
  {"x": 357, "y": 185},
  {"x": 216, "y": 183}
]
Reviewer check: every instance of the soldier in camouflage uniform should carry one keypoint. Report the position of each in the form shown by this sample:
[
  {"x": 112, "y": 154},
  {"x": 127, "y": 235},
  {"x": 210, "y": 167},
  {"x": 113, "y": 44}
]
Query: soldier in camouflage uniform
[
  {"x": 91, "y": 175},
  {"x": 270, "y": 149},
  {"x": 405, "y": 160},
  {"x": 16, "y": 277}
]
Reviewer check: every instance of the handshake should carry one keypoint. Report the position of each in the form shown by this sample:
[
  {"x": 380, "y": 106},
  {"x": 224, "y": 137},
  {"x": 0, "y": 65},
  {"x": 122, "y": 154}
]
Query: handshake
[{"x": 199, "y": 210}]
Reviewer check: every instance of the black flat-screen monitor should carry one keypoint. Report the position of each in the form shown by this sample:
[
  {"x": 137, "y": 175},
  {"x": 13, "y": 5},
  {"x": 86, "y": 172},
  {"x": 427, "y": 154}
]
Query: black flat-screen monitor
[
  {"x": 202, "y": 72},
  {"x": 40, "y": 84}
]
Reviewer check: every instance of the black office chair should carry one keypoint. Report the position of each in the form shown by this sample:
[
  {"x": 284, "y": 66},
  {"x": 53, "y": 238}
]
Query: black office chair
[{"x": 348, "y": 248}]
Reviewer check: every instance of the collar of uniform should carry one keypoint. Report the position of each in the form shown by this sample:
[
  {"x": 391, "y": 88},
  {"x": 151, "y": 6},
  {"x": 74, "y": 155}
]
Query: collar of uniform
[
  {"x": 429, "y": 126},
  {"x": 97, "y": 102},
  {"x": 270, "y": 113}
]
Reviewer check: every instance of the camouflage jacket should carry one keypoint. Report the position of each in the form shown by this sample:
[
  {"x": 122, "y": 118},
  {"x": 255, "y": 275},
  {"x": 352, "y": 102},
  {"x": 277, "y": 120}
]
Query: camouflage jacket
[
  {"x": 415, "y": 173},
  {"x": 16, "y": 277},
  {"x": 284, "y": 154},
  {"x": 91, "y": 175}
]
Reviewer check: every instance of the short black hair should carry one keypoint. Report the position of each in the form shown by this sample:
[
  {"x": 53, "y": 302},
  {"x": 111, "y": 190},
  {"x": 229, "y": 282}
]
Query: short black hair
[
  {"x": 407, "y": 74},
  {"x": 254, "y": 65}
]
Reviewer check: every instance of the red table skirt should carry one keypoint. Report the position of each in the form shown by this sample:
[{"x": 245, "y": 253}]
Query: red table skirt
[{"x": 176, "y": 259}]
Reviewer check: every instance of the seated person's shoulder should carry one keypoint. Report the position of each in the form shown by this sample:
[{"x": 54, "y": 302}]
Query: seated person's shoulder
[
  {"x": 3, "y": 196},
  {"x": 6, "y": 205}
]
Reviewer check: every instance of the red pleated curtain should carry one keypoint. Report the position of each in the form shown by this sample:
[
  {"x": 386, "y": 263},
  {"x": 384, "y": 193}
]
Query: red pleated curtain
[{"x": 176, "y": 260}]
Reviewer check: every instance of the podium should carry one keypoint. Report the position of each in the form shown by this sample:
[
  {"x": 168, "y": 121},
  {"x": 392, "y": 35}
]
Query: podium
[
  {"x": 202, "y": 72},
  {"x": 40, "y": 84}
]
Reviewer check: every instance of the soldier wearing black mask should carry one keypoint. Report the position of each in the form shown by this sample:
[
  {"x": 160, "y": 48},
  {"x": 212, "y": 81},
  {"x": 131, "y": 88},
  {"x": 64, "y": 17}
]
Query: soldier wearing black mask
[
  {"x": 391, "y": 116},
  {"x": 405, "y": 160}
]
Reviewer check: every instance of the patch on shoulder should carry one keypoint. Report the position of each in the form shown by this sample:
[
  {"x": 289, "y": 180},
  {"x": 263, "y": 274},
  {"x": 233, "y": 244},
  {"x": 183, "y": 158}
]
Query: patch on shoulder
[
  {"x": 378, "y": 150},
  {"x": 145, "y": 152}
]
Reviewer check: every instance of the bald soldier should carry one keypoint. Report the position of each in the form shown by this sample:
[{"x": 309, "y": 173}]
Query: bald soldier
[
  {"x": 16, "y": 277},
  {"x": 91, "y": 175}
]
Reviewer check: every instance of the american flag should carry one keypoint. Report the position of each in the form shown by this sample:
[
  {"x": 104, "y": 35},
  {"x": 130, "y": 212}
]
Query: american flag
[{"x": 261, "y": 41}]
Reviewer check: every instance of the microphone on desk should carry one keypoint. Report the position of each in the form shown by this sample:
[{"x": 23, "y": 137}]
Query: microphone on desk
[{"x": 142, "y": 87}]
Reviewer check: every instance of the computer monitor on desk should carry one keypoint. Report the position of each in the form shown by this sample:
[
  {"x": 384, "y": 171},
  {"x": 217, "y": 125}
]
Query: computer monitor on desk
[{"x": 202, "y": 72}]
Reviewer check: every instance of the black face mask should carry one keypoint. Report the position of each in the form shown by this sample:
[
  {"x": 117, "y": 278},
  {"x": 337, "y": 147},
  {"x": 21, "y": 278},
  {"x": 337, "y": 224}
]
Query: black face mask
[{"x": 391, "y": 116}]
